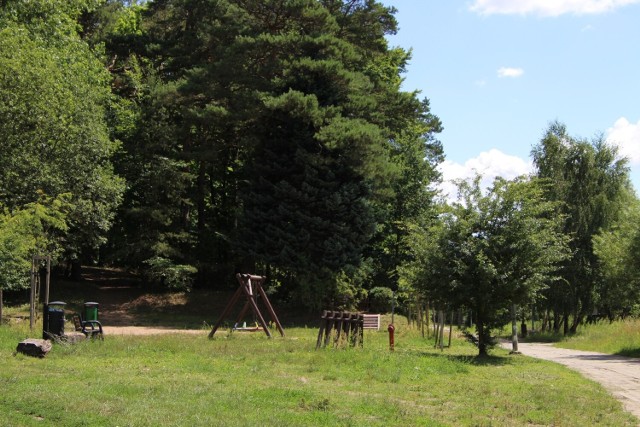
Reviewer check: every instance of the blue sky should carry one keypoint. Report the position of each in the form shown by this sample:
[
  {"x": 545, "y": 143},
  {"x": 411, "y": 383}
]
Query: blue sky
[{"x": 497, "y": 72}]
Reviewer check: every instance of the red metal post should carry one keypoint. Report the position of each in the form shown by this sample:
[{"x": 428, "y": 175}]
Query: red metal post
[{"x": 391, "y": 330}]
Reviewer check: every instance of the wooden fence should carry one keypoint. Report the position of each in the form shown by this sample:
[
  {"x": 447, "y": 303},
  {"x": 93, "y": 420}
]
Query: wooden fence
[{"x": 340, "y": 328}]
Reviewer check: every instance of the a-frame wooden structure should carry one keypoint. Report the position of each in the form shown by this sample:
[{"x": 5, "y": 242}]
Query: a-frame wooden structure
[{"x": 251, "y": 289}]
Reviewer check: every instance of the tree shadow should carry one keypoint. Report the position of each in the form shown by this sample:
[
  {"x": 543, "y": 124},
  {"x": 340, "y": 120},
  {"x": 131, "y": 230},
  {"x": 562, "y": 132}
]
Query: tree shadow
[
  {"x": 629, "y": 352},
  {"x": 475, "y": 360}
]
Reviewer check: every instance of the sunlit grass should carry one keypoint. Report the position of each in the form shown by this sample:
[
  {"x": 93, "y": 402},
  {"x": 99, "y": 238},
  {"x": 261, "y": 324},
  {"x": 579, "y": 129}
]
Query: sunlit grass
[
  {"x": 621, "y": 337},
  {"x": 246, "y": 380}
]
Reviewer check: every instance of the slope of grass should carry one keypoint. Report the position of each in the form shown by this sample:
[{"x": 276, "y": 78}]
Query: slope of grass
[
  {"x": 622, "y": 338},
  {"x": 247, "y": 380}
]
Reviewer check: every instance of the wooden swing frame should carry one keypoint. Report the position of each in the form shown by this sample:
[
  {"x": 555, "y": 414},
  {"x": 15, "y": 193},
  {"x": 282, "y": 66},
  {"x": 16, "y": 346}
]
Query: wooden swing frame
[{"x": 251, "y": 287}]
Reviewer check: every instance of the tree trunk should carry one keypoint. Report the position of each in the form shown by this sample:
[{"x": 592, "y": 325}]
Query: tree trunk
[
  {"x": 76, "y": 270},
  {"x": 427, "y": 317},
  {"x": 576, "y": 321},
  {"x": 565, "y": 321},
  {"x": 514, "y": 330},
  {"x": 482, "y": 338},
  {"x": 556, "y": 321}
]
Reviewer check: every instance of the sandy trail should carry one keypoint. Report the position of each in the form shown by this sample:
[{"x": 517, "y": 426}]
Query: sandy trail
[
  {"x": 148, "y": 330},
  {"x": 618, "y": 374}
]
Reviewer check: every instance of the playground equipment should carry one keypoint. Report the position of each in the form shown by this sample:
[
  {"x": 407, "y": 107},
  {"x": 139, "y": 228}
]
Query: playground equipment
[
  {"x": 348, "y": 327},
  {"x": 251, "y": 288}
]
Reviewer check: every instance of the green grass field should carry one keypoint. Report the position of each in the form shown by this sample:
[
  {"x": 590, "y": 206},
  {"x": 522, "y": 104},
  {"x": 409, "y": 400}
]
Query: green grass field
[
  {"x": 249, "y": 380},
  {"x": 622, "y": 338}
]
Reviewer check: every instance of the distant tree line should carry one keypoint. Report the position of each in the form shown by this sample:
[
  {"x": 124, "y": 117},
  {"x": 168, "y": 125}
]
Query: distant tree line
[{"x": 192, "y": 139}]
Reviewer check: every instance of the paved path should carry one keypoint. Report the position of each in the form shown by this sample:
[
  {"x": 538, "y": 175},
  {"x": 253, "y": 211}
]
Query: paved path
[{"x": 618, "y": 374}]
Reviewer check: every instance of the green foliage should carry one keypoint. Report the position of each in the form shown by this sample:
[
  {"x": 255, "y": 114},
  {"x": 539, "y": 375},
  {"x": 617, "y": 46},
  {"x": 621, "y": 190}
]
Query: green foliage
[
  {"x": 164, "y": 272},
  {"x": 618, "y": 250},
  {"x": 590, "y": 183},
  {"x": 266, "y": 140},
  {"x": 489, "y": 251},
  {"x": 32, "y": 230},
  {"x": 380, "y": 300},
  {"x": 53, "y": 93}
]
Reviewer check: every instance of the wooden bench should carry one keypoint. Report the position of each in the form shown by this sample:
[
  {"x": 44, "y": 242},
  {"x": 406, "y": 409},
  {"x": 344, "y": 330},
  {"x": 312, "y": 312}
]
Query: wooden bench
[
  {"x": 90, "y": 328},
  {"x": 371, "y": 321}
]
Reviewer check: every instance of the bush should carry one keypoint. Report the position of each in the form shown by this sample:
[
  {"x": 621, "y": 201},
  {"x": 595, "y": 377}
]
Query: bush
[
  {"x": 164, "y": 272},
  {"x": 380, "y": 299}
]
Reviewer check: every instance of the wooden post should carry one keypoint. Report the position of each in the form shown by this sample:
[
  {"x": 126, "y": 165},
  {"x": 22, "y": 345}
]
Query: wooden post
[
  {"x": 47, "y": 280},
  {"x": 252, "y": 301},
  {"x": 1, "y": 305},
  {"x": 338, "y": 325},
  {"x": 436, "y": 327},
  {"x": 441, "y": 315},
  {"x": 328, "y": 330},
  {"x": 270, "y": 309},
  {"x": 226, "y": 311},
  {"x": 323, "y": 325},
  {"x": 450, "y": 329},
  {"x": 349, "y": 329},
  {"x": 32, "y": 297}
]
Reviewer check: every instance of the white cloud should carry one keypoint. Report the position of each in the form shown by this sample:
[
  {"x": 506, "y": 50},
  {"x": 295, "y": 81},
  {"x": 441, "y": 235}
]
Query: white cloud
[
  {"x": 547, "y": 7},
  {"x": 489, "y": 164},
  {"x": 510, "y": 72},
  {"x": 626, "y": 136}
]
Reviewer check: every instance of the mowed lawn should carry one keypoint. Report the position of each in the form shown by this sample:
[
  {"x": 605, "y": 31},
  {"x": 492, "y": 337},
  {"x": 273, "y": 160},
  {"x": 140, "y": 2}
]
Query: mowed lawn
[{"x": 249, "y": 380}]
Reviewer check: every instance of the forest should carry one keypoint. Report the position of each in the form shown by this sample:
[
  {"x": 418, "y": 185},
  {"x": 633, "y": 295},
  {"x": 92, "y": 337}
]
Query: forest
[{"x": 188, "y": 140}]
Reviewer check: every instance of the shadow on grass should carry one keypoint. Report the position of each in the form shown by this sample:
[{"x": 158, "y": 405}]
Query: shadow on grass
[
  {"x": 489, "y": 360},
  {"x": 544, "y": 337}
]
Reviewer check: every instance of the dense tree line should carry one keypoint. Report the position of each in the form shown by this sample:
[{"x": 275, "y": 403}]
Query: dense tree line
[
  {"x": 560, "y": 244},
  {"x": 262, "y": 136},
  {"x": 192, "y": 139}
]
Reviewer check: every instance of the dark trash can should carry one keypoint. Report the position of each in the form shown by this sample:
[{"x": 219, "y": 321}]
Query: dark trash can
[
  {"x": 90, "y": 311},
  {"x": 53, "y": 320}
]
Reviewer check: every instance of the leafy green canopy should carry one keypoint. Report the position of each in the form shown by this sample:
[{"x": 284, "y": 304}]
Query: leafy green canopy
[
  {"x": 590, "y": 182},
  {"x": 489, "y": 251},
  {"x": 32, "y": 230},
  {"x": 53, "y": 95},
  {"x": 618, "y": 250},
  {"x": 275, "y": 137}
]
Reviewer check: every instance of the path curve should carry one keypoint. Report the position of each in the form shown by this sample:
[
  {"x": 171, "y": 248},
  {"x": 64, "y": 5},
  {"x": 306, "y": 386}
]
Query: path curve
[{"x": 618, "y": 374}]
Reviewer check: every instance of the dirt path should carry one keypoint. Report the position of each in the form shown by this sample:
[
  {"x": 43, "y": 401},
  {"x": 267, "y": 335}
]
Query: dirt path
[
  {"x": 148, "y": 330},
  {"x": 619, "y": 375}
]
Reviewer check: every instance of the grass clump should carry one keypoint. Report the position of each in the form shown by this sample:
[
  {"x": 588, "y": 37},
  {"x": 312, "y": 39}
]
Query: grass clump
[{"x": 247, "y": 380}]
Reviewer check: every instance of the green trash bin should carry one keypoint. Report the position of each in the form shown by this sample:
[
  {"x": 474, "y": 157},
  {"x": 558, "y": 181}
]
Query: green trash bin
[{"x": 90, "y": 311}]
